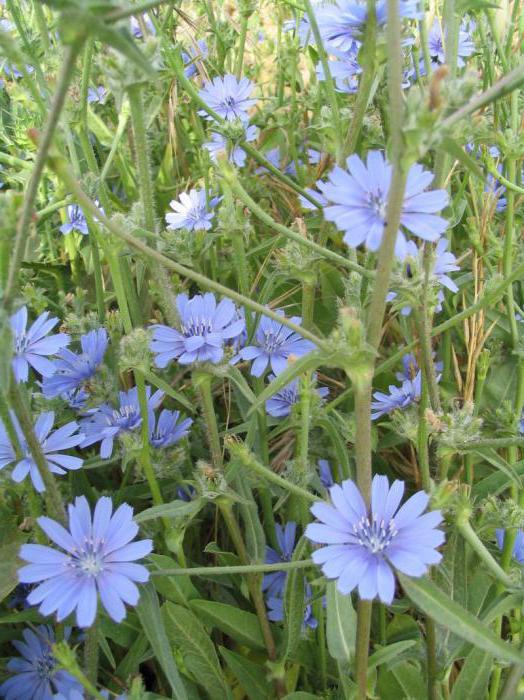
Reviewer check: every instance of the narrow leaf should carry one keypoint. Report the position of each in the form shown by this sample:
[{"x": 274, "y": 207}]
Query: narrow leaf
[{"x": 341, "y": 624}]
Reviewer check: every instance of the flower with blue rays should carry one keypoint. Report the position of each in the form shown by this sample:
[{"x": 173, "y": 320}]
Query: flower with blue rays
[
  {"x": 75, "y": 221},
  {"x": 99, "y": 560},
  {"x": 105, "y": 423},
  {"x": 365, "y": 545},
  {"x": 276, "y": 609},
  {"x": 343, "y": 22},
  {"x": 398, "y": 397},
  {"x": 204, "y": 328},
  {"x": 358, "y": 200},
  {"x": 52, "y": 443},
  {"x": 192, "y": 211},
  {"x": 344, "y": 71},
  {"x": 274, "y": 156},
  {"x": 136, "y": 27},
  {"x": 518, "y": 547},
  {"x": 12, "y": 72},
  {"x": 193, "y": 58},
  {"x": 73, "y": 371},
  {"x": 326, "y": 477},
  {"x": 229, "y": 97},
  {"x": 466, "y": 45},
  {"x": 186, "y": 493},
  {"x": 35, "y": 674},
  {"x": 273, "y": 345},
  {"x": 236, "y": 154},
  {"x": 280, "y": 404},
  {"x": 33, "y": 345},
  {"x": 96, "y": 94},
  {"x": 168, "y": 429},
  {"x": 273, "y": 584}
]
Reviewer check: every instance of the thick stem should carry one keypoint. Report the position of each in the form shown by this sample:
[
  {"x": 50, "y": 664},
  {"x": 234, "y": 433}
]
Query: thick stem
[
  {"x": 24, "y": 222},
  {"x": 203, "y": 381}
]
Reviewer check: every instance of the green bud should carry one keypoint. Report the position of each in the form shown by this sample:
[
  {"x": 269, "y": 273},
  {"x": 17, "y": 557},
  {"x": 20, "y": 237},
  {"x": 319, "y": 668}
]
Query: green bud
[{"x": 134, "y": 350}]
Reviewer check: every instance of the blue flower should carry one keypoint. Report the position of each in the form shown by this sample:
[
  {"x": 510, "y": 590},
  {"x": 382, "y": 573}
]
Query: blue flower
[
  {"x": 344, "y": 72},
  {"x": 169, "y": 429},
  {"x": 98, "y": 559},
  {"x": 105, "y": 423},
  {"x": 273, "y": 345},
  {"x": 204, "y": 327},
  {"x": 52, "y": 444},
  {"x": 273, "y": 584},
  {"x": 96, "y": 94},
  {"x": 398, "y": 397},
  {"x": 276, "y": 609},
  {"x": 73, "y": 370},
  {"x": 274, "y": 156},
  {"x": 466, "y": 46},
  {"x": 364, "y": 546},
  {"x": 186, "y": 493},
  {"x": 518, "y": 547},
  {"x": 359, "y": 201},
  {"x": 193, "y": 58},
  {"x": 191, "y": 211},
  {"x": 236, "y": 154},
  {"x": 279, "y": 405},
  {"x": 343, "y": 22},
  {"x": 76, "y": 221},
  {"x": 228, "y": 97},
  {"x": 326, "y": 477},
  {"x": 31, "y": 347},
  {"x": 35, "y": 674},
  {"x": 136, "y": 29}
]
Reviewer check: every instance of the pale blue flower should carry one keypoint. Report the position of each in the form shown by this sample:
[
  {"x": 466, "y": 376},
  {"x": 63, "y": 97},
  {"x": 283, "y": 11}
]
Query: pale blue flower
[
  {"x": 273, "y": 345},
  {"x": 168, "y": 429},
  {"x": 33, "y": 345},
  {"x": 205, "y": 326},
  {"x": 358, "y": 200},
  {"x": 398, "y": 397},
  {"x": 105, "y": 423},
  {"x": 52, "y": 444},
  {"x": 229, "y": 97},
  {"x": 365, "y": 546},
  {"x": 280, "y": 404},
  {"x": 193, "y": 58},
  {"x": 326, "y": 477},
  {"x": 98, "y": 560},
  {"x": 518, "y": 547},
  {"x": 466, "y": 46},
  {"x": 236, "y": 154},
  {"x": 192, "y": 211},
  {"x": 73, "y": 370}
]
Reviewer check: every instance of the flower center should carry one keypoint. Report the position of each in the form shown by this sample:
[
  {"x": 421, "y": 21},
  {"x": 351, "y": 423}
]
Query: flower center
[
  {"x": 196, "y": 327},
  {"x": 378, "y": 204},
  {"x": 21, "y": 343},
  {"x": 44, "y": 666},
  {"x": 376, "y": 536},
  {"x": 89, "y": 559},
  {"x": 272, "y": 340}
]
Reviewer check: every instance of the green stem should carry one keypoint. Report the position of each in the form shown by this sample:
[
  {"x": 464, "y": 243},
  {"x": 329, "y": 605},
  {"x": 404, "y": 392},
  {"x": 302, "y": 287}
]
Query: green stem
[
  {"x": 24, "y": 222},
  {"x": 91, "y": 653},
  {"x": 232, "y": 570},
  {"x": 245, "y": 12},
  {"x": 471, "y": 537},
  {"x": 145, "y": 455},
  {"x": 364, "y": 609},
  {"x": 145, "y": 180},
  {"x": 203, "y": 381},
  {"x": 231, "y": 177},
  {"x": 248, "y": 460},
  {"x": 52, "y": 492}
]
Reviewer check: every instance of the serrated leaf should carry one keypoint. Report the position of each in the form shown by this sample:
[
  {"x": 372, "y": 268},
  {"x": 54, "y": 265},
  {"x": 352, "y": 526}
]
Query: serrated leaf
[
  {"x": 186, "y": 632},
  {"x": 148, "y": 611},
  {"x": 430, "y": 599},
  {"x": 341, "y": 624},
  {"x": 251, "y": 676},
  {"x": 240, "y": 625}
]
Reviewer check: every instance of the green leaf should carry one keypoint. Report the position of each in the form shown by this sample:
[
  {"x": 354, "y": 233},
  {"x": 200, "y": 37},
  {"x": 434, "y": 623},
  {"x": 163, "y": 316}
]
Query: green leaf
[
  {"x": 148, "y": 611},
  {"x": 458, "y": 153},
  {"x": 462, "y": 623},
  {"x": 175, "y": 509},
  {"x": 251, "y": 676},
  {"x": 410, "y": 679},
  {"x": 240, "y": 625},
  {"x": 186, "y": 632},
  {"x": 294, "y": 602},
  {"x": 161, "y": 384},
  {"x": 9, "y": 565},
  {"x": 179, "y": 589},
  {"x": 253, "y": 530},
  {"x": 341, "y": 624},
  {"x": 386, "y": 654},
  {"x": 301, "y": 695},
  {"x": 474, "y": 676},
  {"x": 497, "y": 482}
]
